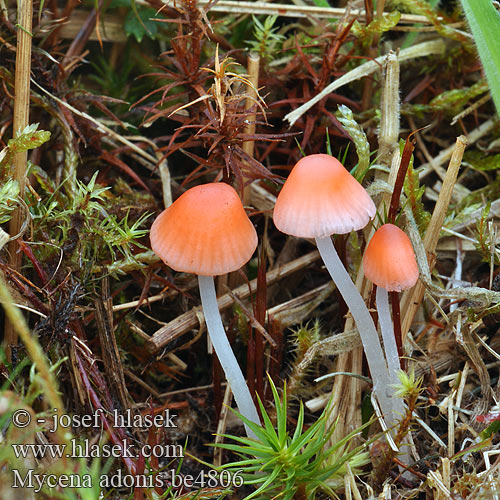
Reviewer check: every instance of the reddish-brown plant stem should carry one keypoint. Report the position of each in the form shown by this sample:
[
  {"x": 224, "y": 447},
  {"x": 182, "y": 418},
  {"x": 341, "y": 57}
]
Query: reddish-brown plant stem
[
  {"x": 396, "y": 319},
  {"x": 217, "y": 382},
  {"x": 398, "y": 185},
  {"x": 260, "y": 316},
  {"x": 251, "y": 359}
]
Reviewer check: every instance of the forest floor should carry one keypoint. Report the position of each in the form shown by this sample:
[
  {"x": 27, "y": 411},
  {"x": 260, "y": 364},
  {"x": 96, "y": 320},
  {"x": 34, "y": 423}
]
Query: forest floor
[{"x": 109, "y": 111}]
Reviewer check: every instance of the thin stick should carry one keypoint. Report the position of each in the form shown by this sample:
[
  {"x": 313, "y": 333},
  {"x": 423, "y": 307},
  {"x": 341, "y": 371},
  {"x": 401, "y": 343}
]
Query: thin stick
[
  {"x": 253, "y": 77},
  {"x": 412, "y": 298},
  {"x": 396, "y": 315},
  {"x": 21, "y": 120}
]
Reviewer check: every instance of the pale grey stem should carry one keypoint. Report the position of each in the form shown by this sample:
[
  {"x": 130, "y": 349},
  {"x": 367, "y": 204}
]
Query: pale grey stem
[
  {"x": 387, "y": 328},
  {"x": 363, "y": 320},
  {"x": 391, "y": 351},
  {"x": 224, "y": 352},
  {"x": 394, "y": 364}
]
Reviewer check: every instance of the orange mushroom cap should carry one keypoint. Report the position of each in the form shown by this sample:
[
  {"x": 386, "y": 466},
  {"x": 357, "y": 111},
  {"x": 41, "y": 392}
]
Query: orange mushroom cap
[
  {"x": 320, "y": 198},
  {"x": 205, "y": 231},
  {"x": 389, "y": 259}
]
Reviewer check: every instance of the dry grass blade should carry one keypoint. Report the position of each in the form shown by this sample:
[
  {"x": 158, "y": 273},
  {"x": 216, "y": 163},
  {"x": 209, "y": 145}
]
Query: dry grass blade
[{"x": 290, "y": 10}]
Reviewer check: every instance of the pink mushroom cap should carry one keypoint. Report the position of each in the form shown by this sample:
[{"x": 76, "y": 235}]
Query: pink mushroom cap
[{"x": 320, "y": 198}]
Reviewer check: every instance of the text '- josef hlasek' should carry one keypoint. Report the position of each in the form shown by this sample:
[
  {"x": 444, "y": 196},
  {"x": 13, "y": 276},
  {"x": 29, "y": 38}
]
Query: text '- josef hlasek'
[{"x": 128, "y": 419}]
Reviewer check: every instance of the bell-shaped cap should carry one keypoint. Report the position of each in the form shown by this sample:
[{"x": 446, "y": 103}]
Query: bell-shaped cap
[
  {"x": 320, "y": 198},
  {"x": 205, "y": 231},
  {"x": 389, "y": 260}
]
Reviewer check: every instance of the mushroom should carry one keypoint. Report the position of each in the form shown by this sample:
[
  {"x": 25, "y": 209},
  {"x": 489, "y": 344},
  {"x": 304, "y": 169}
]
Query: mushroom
[
  {"x": 207, "y": 232},
  {"x": 321, "y": 198},
  {"x": 389, "y": 262}
]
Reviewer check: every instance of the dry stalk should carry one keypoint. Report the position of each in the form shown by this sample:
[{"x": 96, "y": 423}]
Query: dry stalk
[
  {"x": 288, "y": 10},
  {"x": 112, "y": 28},
  {"x": 21, "y": 121},
  {"x": 412, "y": 298},
  {"x": 253, "y": 66},
  {"x": 101, "y": 127},
  {"x": 346, "y": 390},
  {"x": 389, "y": 121},
  {"x": 299, "y": 308},
  {"x": 138, "y": 380},
  {"x": 222, "y": 424},
  {"x": 260, "y": 198}
]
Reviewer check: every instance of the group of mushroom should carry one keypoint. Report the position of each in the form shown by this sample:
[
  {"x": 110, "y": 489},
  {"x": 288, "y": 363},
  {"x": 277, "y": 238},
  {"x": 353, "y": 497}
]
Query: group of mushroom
[{"x": 206, "y": 231}]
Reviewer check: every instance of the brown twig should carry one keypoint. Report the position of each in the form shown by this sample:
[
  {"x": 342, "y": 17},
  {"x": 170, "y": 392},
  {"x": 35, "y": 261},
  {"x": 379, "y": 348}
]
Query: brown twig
[{"x": 21, "y": 120}]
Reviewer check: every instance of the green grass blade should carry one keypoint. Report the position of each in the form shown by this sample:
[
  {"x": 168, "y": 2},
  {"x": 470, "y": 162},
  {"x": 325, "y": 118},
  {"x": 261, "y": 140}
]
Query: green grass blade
[{"x": 484, "y": 21}]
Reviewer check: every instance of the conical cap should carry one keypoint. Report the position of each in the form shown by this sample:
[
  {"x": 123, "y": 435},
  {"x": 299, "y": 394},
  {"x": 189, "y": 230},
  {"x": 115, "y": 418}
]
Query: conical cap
[
  {"x": 389, "y": 260},
  {"x": 319, "y": 198},
  {"x": 205, "y": 231}
]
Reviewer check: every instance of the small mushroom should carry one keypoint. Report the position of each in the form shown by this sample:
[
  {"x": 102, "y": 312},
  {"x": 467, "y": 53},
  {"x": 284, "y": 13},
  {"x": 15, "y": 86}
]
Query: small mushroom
[
  {"x": 207, "y": 232},
  {"x": 321, "y": 198},
  {"x": 389, "y": 262}
]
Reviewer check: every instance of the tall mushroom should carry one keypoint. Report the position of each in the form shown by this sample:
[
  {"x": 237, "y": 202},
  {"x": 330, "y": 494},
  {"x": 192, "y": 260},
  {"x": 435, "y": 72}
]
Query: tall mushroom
[
  {"x": 389, "y": 262},
  {"x": 207, "y": 232},
  {"x": 321, "y": 198}
]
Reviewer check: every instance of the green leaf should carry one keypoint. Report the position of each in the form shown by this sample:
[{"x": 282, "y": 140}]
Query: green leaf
[
  {"x": 480, "y": 161},
  {"x": 29, "y": 138},
  {"x": 484, "y": 21},
  {"x": 492, "y": 429},
  {"x": 358, "y": 136},
  {"x": 141, "y": 24}
]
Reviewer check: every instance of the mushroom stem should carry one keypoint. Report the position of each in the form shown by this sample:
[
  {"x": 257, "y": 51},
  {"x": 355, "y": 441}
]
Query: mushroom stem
[
  {"x": 224, "y": 352},
  {"x": 363, "y": 320},
  {"x": 387, "y": 328},
  {"x": 391, "y": 350},
  {"x": 392, "y": 356}
]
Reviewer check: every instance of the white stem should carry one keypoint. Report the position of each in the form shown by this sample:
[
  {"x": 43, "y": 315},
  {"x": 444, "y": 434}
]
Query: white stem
[
  {"x": 363, "y": 320},
  {"x": 387, "y": 328},
  {"x": 392, "y": 355},
  {"x": 391, "y": 350},
  {"x": 224, "y": 352}
]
